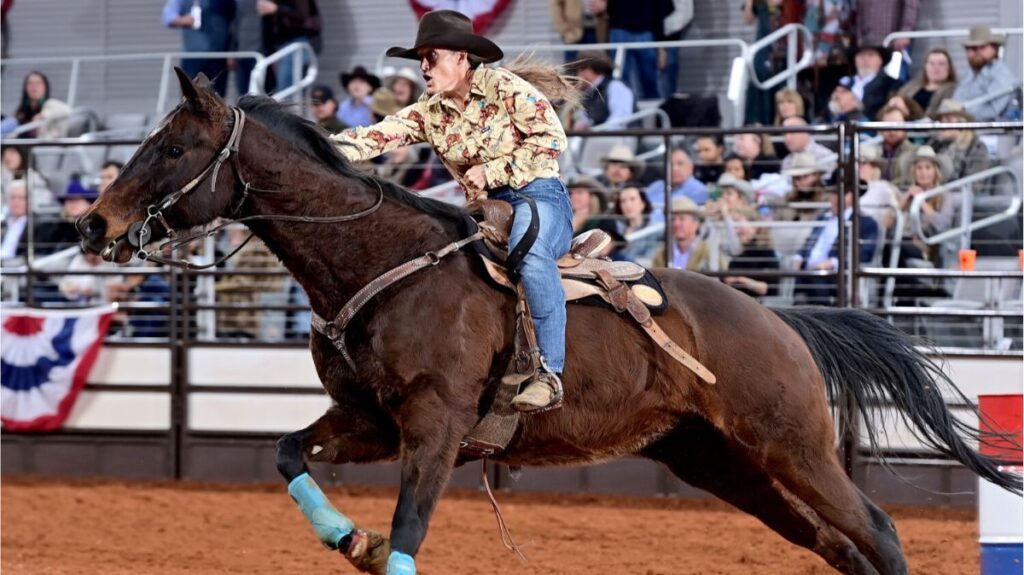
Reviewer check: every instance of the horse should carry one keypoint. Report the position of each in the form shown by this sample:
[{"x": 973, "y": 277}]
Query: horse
[{"x": 427, "y": 350}]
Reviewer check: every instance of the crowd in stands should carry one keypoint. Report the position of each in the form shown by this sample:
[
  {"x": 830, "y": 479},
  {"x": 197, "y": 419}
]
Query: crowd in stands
[{"x": 732, "y": 205}]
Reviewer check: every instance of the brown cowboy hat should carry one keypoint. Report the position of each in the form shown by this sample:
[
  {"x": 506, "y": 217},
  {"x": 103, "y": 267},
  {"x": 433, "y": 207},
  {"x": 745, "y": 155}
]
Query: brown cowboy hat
[
  {"x": 451, "y": 30},
  {"x": 983, "y": 36},
  {"x": 384, "y": 102},
  {"x": 950, "y": 107},
  {"x": 360, "y": 73}
]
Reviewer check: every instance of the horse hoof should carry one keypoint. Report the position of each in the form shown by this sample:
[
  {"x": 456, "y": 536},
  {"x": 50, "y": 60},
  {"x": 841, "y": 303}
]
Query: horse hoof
[{"x": 368, "y": 551}]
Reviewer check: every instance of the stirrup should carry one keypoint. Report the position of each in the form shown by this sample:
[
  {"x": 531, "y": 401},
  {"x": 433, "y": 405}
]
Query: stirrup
[{"x": 552, "y": 382}]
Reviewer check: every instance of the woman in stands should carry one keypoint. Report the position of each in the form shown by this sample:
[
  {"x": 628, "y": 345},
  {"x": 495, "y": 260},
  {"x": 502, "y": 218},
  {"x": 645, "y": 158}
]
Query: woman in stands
[
  {"x": 757, "y": 253},
  {"x": 15, "y": 167},
  {"x": 634, "y": 211},
  {"x": 710, "y": 152},
  {"x": 404, "y": 84},
  {"x": 499, "y": 136},
  {"x": 757, "y": 152},
  {"x": 929, "y": 171},
  {"x": 37, "y": 106},
  {"x": 788, "y": 103},
  {"x": 936, "y": 82}
]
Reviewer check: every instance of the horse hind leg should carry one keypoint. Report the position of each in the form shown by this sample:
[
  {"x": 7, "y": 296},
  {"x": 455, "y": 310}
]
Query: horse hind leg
[
  {"x": 338, "y": 437},
  {"x": 699, "y": 455}
]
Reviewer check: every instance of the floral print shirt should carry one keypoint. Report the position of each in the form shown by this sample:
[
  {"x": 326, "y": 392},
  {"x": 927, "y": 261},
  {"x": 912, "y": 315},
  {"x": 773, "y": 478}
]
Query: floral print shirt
[{"x": 508, "y": 126}]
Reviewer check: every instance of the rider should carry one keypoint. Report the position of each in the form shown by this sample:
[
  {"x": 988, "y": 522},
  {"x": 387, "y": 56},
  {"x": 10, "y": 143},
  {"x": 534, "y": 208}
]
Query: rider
[{"x": 499, "y": 137}]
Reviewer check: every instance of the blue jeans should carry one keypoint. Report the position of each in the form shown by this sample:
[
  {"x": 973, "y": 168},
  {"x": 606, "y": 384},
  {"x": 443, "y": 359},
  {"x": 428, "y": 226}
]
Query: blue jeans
[
  {"x": 668, "y": 79},
  {"x": 640, "y": 69},
  {"x": 540, "y": 274}
]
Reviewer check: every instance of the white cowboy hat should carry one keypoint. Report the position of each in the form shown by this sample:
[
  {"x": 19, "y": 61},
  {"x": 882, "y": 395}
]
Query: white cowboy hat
[
  {"x": 803, "y": 164},
  {"x": 942, "y": 163},
  {"x": 390, "y": 73},
  {"x": 982, "y": 36},
  {"x": 742, "y": 186},
  {"x": 623, "y": 154}
]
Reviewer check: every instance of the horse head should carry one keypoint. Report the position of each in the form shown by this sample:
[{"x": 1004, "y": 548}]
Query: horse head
[{"x": 173, "y": 180}]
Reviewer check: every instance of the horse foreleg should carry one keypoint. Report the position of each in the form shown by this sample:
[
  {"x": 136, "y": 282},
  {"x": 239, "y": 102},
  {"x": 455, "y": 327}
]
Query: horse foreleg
[{"x": 339, "y": 436}]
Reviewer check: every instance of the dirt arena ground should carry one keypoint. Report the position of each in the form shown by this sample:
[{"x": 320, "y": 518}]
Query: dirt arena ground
[{"x": 110, "y": 528}]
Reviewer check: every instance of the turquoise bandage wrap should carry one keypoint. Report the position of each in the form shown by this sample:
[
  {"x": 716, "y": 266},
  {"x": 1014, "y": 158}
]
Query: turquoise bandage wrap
[
  {"x": 401, "y": 564},
  {"x": 330, "y": 525}
]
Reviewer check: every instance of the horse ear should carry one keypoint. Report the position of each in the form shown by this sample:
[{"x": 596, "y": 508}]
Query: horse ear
[
  {"x": 203, "y": 83},
  {"x": 188, "y": 89}
]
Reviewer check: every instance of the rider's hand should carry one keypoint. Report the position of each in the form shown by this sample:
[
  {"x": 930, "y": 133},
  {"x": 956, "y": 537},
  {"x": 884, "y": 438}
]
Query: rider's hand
[{"x": 475, "y": 178}]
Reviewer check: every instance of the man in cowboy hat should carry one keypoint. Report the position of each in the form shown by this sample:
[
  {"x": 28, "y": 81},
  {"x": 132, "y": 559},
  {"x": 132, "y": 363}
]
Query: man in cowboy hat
[
  {"x": 620, "y": 166},
  {"x": 689, "y": 251},
  {"x": 989, "y": 75},
  {"x": 325, "y": 109},
  {"x": 605, "y": 98},
  {"x": 500, "y": 138},
  {"x": 871, "y": 84},
  {"x": 359, "y": 84},
  {"x": 965, "y": 150}
]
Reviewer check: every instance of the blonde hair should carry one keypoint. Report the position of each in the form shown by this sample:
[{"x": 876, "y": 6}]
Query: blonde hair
[
  {"x": 548, "y": 79},
  {"x": 788, "y": 95}
]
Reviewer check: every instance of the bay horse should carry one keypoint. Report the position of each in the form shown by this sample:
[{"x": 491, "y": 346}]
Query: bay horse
[{"x": 426, "y": 348}]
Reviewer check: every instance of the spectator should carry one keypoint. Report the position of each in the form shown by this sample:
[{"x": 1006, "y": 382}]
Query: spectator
[
  {"x": 831, "y": 24},
  {"x": 768, "y": 17},
  {"x": 936, "y": 82},
  {"x": 37, "y": 106},
  {"x": 930, "y": 170},
  {"x": 896, "y": 148},
  {"x": 912, "y": 111},
  {"x": 634, "y": 209},
  {"x": 788, "y": 103},
  {"x": 735, "y": 165},
  {"x": 15, "y": 223},
  {"x": 401, "y": 165},
  {"x": 404, "y": 83},
  {"x": 737, "y": 194},
  {"x": 383, "y": 104},
  {"x": 54, "y": 236},
  {"x": 844, "y": 104},
  {"x": 620, "y": 167},
  {"x": 288, "y": 22},
  {"x": 359, "y": 84},
  {"x": 966, "y": 152},
  {"x": 244, "y": 288},
  {"x": 803, "y": 143},
  {"x": 579, "y": 22},
  {"x": 88, "y": 289},
  {"x": 589, "y": 202},
  {"x": 205, "y": 27},
  {"x": 807, "y": 187},
  {"x": 881, "y": 199},
  {"x": 630, "y": 21},
  {"x": 821, "y": 250},
  {"x": 756, "y": 254},
  {"x": 108, "y": 173},
  {"x": 689, "y": 252},
  {"x": 876, "y": 19},
  {"x": 325, "y": 109},
  {"x": 758, "y": 154},
  {"x": 668, "y": 58},
  {"x": 710, "y": 158},
  {"x": 684, "y": 183},
  {"x": 246, "y": 36},
  {"x": 870, "y": 83},
  {"x": 15, "y": 167},
  {"x": 989, "y": 76},
  {"x": 605, "y": 99}
]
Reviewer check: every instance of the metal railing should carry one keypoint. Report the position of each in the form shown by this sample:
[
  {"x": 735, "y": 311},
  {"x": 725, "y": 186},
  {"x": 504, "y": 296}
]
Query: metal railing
[
  {"x": 950, "y": 33},
  {"x": 967, "y": 200},
  {"x": 301, "y": 53},
  {"x": 793, "y": 34}
]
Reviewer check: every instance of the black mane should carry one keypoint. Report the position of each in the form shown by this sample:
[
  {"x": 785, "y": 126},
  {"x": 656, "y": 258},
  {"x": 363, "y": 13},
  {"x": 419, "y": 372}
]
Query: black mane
[{"x": 315, "y": 143}]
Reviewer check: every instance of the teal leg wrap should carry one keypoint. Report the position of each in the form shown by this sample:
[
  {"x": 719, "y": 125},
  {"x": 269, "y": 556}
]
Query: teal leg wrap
[
  {"x": 330, "y": 525},
  {"x": 401, "y": 564}
]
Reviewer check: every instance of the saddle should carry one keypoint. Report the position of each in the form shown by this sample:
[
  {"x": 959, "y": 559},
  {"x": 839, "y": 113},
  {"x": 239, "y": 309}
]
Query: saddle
[{"x": 626, "y": 287}]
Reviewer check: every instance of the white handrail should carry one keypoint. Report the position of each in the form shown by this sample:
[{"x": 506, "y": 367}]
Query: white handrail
[
  {"x": 258, "y": 80},
  {"x": 965, "y": 226},
  {"x": 951, "y": 33},
  {"x": 793, "y": 67}
]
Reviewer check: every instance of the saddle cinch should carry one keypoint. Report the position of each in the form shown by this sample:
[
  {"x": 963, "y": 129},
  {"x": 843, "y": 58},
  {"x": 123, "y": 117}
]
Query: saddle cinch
[{"x": 626, "y": 287}]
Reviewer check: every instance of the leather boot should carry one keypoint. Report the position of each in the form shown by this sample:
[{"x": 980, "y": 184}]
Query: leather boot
[{"x": 542, "y": 393}]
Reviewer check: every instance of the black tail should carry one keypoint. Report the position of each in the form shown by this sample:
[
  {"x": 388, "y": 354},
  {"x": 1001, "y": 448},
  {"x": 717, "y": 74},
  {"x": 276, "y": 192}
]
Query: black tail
[{"x": 865, "y": 356}]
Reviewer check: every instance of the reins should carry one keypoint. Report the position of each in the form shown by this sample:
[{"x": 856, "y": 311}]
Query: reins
[{"x": 139, "y": 233}]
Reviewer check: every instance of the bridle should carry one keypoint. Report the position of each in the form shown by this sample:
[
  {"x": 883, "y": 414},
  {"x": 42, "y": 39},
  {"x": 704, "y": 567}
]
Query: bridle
[{"x": 140, "y": 233}]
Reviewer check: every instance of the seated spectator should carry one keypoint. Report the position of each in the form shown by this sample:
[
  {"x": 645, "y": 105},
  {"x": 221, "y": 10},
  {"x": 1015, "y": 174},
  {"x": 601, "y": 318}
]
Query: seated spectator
[
  {"x": 325, "y": 109},
  {"x": 930, "y": 170},
  {"x": 689, "y": 252},
  {"x": 604, "y": 99},
  {"x": 14, "y": 231},
  {"x": 807, "y": 187},
  {"x": 803, "y": 143},
  {"x": 730, "y": 194},
  {"x": 634, "y": 210},
  {"x": 756, "y": 254},
  {"x": 15, "y": 167},
  {"x": 881, "y": 199},
  {"x": 758, "y": 154},
  {"x": 736, "y": 194},
  {"x": 684, "y": 183},
  {"x": 821, "y": 250},
  {"x": 844, "y": 104},
  {"x": 89, "y": 289},
  {"x": 108, "y": 173},
  {"x": 936, "y": 82},
  {"x": 620, "y": 167},
  {"x": 912, "y": 111},
  {"x": 245, "y": 289},
  {"x": 989, "y": 75},
  {"x": 710, "y": 158},
  {"x": 735, "y": 165},
  {"x": 589, "y": 201},
  {"x": 383, "y": 104},
  {"x": 872, "y": 86},
  {"x": 896, "y": 148},
  {"x": 57, "y": 235},
  {"x": 788, "y": 104},
  {"x": 37, "y": 106},
  {"x": 966, "y": 152},
  {"x": 359, "y": 85},
  {"x": 404, "y": 83}
]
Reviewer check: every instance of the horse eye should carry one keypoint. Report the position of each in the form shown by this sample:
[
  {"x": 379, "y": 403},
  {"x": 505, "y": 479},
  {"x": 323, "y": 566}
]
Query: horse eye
[{"x": 175, "y": 152}]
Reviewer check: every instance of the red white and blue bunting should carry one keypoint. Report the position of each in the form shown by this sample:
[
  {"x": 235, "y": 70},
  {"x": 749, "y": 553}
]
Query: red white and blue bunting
[
  {"x": 481, "y": 12},
  {"x": 45, "y": 359}
]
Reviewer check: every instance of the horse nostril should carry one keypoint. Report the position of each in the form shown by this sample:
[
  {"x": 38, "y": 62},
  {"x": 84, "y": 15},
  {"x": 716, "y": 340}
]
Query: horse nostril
[{"x": 91, "y": 226}]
